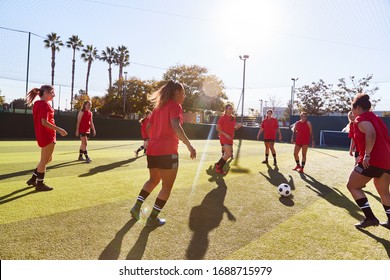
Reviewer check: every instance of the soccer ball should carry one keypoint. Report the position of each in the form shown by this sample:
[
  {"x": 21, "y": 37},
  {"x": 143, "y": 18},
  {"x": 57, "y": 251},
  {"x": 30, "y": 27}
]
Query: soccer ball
[{"x": 284, "y": 189}]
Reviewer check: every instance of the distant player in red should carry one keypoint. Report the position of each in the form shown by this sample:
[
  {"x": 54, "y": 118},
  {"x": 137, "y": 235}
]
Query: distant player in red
[
  {"x": 144, "y": 122},
  {"x": 350, "y": 128},
  {"x": 84, "y": 127},
  {"x": 45, "y": 132},
  {"x": 226, "y": 126},
  {"x": 270, "y": 126},
  {"x": 164, "y": 130},
  {"x": 373, "y": 144},
  {"x": 303, "y": 132}
]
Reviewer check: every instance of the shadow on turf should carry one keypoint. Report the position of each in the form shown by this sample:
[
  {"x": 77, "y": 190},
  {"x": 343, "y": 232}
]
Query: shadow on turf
[
  {"x": 332, "y": 195},
  {"x": 110, "y": 166},
  {"x": 384, "y": 242},
  {"x": 206, "y": 217},
  {"x": 138, "y": 250},
  {"x": 10, "y": 197}
]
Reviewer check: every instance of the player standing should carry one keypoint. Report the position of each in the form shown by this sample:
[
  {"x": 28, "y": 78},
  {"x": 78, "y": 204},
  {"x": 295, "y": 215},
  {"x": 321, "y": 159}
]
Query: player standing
[
  {"x": 83, "y": 128},
  {"x": 303, "y": 131},
  {"x": 269, "y": 125},
  {"x": 164, "y": 130},
  {"x": 373, "y": 144},
  {"x": 45, "y": 132},
  {"x": 144, "y": 122},
  {"x": 226, "y": 126}
]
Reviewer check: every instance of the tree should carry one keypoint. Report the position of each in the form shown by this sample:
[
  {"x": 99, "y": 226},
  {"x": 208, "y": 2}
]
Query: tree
[
  {"x": 122, "y": 59},
  {"x": 53, "y": 42},
  {"x": 314, "y": 98},
  {"x": 2, "y": 99},
  {"x": 19, "y": 103},
  {"x": 203, "y": 91},
  {"x": 75, "y": 43},
  {"x": 89, "y": 54},
  {"x": 343, "y": 96},
  {"x": 108, "y": 56}
]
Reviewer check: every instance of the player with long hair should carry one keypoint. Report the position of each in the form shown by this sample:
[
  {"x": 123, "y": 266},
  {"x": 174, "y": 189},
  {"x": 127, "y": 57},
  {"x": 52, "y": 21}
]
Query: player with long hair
[
  {"x": 303, "y": 131},
  {"x": 226, "y": 126},
  {"x": 270, "y": 126},
  {"x": 84, "y": 127},
  {"x": 164, "y": 130},
  {"x": 45, "y": 132},
  {"x": 144, "y": 122},
  {"x": 373, "y": 144}
]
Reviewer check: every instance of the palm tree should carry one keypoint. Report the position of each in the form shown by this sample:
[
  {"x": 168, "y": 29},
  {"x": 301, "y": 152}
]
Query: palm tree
[
  {"x": 75, "y": 43},
  {"x": 122, "y": 58},
  {"x": 108, "y": 56},
  {"x": 54, "y": 42},
  {"x": 89, "y": 54}
]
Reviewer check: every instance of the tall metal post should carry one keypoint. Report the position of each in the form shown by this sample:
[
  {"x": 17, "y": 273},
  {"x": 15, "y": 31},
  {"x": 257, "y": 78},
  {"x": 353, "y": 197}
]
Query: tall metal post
[
  {"x": 244, "y": 58},
  {"x": 292, "y": 94}
]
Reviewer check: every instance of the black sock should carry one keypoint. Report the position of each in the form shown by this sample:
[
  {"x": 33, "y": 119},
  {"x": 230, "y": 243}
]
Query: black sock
[
  {"x": 365, "y": 207},
  {"x": 40, "y": 178},
  {"x": 274, "y": 155},
  {"x": 221, "y": 162},
  {"x": 34, "y": 175},
  {"x": 297, "y": 161},
  {"x": 387, "y": 210},
  {"x": 158, "y": 206},
  {"x": 303, "y": 164},
  {"x": 86, "y": 154},
  {"x": 266, "y": 157},
  {"x": 140, "y": 149},
  {"x": 141, "y": 197},
  {"x": 81, "y": 153}
]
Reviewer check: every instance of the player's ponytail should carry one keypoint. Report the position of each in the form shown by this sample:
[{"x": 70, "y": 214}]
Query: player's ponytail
[
  {"x": 165, "y": 93},
  {"x": 32, "y": 94}
]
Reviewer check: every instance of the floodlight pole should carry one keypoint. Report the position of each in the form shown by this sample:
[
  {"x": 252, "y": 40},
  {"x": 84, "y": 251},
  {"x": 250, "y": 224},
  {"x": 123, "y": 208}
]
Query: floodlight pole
[
  {"x": 244, "y": 58},
  {"x": 292, "y": 94},
  {"x": 124, "y": 96}
]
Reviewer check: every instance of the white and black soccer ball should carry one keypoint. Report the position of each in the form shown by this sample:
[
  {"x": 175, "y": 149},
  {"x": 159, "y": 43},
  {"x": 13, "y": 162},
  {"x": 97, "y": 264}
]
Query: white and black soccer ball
[{"x": 284, "y": 189}]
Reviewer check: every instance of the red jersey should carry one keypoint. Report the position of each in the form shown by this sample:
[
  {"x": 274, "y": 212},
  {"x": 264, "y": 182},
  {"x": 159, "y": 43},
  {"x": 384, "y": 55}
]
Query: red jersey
[
  {"x": 351, "y": 132},
  {"x": 302, "y": 133},
  {"x": 269, "y": 127},
  {"x": 380, "y": 154},
  {"x": 144, "y": 123},
  {"x": 163, "y": 139},
  {"x": 43, "y": 134},
  {"x": 85, "y": 123},
  {"x": 227, "y": 124}
]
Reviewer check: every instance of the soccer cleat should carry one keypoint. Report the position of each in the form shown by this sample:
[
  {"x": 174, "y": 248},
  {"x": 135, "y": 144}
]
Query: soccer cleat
[
  {"x": 385, "y": 224},
  {"x": 32, "y": 182},
  {"x": 136, "y": 153},
  {"x": 135, "y": 212},
  {"x": 81, "y": 158},
  {"x": 219, "y": 170},
  {"x": 88, "y": 160},
  {"x": 265, "y": 161},
  {"x": 157, "y": 222},
  {"x": 297, "y": 167},
  {"x": 367, "y": 223},
  {"x": 300, "y": 170},
  {"x": 275, "y": 163},
  {"x": 43, "y": 188}
]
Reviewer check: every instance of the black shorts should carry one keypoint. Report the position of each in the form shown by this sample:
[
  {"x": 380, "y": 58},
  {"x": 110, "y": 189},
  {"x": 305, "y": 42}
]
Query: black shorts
[
  {"x": 163, "y": 162},
  {"x": 84, "y": 135},
  {"x": 372, "y": 171},
  {"x": 269, "y": 140}
]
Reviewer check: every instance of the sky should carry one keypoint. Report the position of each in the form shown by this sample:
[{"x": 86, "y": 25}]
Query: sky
[{"x": 284, "y": 39}]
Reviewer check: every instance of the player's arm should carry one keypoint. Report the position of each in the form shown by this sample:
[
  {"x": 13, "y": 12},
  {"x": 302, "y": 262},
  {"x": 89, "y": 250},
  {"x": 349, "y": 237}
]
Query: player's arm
[
  {"x": 93, "y": 125},
  {"x": 367, "y": 128},
  {"x": 311, "y": 133},
  {"x": 280, "y": 134},
  {"x": 293, "y": 132},
  {"x": 60, "y": 130},
  {"x": 182, "y": 136},
  {"x": 220, "y": 131},
  {"x": 258, "y": 134},
  {"x": 79, "y": 116}
]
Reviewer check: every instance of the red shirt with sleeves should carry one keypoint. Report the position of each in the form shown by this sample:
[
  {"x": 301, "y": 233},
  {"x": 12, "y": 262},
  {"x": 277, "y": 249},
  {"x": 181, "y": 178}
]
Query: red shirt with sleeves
[
  {"x": 226, "y": 123},
  {"x": 380, "y": 154},
  {"x": 163, "y": 139},
  {"x": 144, "y": 123},
  {"x": 85, "y": 123},
  {"x": 269, "y": 127},
  {"x": 43, "y": 134},
  {"x": 302, "y": 133},
  {"x": 351, "y": 130}
]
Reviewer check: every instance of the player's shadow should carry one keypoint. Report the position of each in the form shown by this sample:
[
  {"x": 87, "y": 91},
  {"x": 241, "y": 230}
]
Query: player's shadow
[
  {"x": 138, "y": 250},
  {"x": 113, "y": 249},
  {"x": 236, "y": 168},
  {"x": 206, "y": 217},
  {"x": 384, "y": 242},
  {"x": 332, "y": 195},
  {"x": 13, "y": 195},
  {"x": 214, "y": 176},
  {"x": 110, "y": 166}
]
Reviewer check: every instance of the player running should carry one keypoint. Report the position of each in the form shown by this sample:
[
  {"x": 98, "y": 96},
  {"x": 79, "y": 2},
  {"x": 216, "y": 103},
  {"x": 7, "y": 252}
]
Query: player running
[
  {"x": 226, "y": 126},
  {"x": 164, "y": 130},
  {"x": 84, "y": 127},
  {"x": 45, "y": 132},
  {"x": 269, "y": 125},
  {"x": 373, "y": 144}
]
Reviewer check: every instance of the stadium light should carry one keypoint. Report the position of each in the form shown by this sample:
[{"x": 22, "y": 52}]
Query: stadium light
[
  {"x": 292, "y": 94},
  {"x": 244, "y": 58}
]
